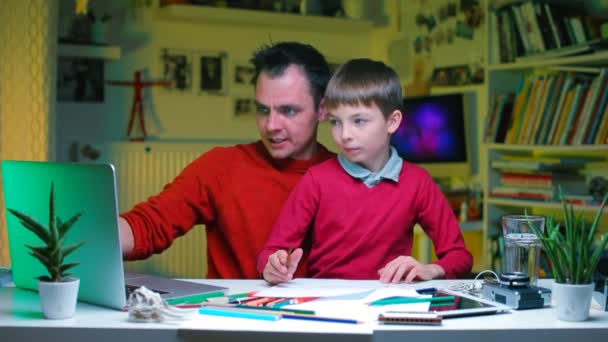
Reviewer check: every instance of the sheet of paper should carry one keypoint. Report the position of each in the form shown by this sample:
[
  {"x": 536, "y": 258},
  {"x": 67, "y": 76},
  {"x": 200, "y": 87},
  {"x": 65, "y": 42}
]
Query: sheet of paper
[
  {"x": 318, "y": 288},
  {"x": 355, "y": 309}
]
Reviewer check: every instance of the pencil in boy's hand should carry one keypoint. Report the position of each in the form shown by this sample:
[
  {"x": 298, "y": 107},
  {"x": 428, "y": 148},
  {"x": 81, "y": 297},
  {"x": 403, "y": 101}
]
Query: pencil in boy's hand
[{"x": 289, "y": 251}]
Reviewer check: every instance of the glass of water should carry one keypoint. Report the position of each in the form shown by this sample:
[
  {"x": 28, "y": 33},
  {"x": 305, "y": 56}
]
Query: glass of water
[{"x": 522, "y": 246}]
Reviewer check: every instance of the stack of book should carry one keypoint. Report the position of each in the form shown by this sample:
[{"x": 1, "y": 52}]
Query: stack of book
[
  {"x": 552, "y": 108},
  {"x": 535, "y": 178}
]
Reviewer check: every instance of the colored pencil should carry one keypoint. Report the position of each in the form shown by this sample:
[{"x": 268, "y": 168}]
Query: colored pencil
[
  {"x": 320, "y": 318},
  {"x": 302, "y": 312},
  {"x": 410, "y": 300},
  {"x": 230, "y": 312},
  {"x": 194, "y": 299}
]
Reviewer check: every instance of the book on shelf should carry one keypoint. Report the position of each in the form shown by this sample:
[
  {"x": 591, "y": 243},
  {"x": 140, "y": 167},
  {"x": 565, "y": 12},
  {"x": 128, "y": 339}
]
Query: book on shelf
[{"x": 522, "y": 193}]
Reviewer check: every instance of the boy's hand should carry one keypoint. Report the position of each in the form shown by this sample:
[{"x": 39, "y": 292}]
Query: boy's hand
[
  {"x": 281, "y": 266},
  {"x": 401, "y": 266}
]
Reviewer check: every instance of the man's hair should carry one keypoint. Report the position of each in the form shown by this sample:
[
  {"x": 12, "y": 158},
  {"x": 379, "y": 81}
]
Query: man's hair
[
  {"x": 365, "y": 82},
  {"x": 276, "y": 58}
]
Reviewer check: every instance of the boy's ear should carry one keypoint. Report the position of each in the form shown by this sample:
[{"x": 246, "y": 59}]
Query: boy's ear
[
  {"x": 393, "y": 121},
  {"x": 322, "y": 112}
]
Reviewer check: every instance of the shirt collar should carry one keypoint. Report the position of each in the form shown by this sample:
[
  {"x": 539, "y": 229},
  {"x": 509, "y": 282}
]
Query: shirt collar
[{"x": 391, "y": 169}]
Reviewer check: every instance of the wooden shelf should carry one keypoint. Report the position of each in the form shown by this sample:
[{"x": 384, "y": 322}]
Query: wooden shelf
[
  {"x": 507, "y": 202},
  {"x": 438, "y": 90},
  {"x": 593, "y": 59},
  {"x": 232, "y": 16},
  {"x": 89, "y": 51},
  {"x": 548, "y": 148}
]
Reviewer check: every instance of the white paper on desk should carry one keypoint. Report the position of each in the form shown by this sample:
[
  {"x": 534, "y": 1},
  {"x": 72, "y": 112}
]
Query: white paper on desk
[
  {"x": 355, "y": 309},
  {"x": 317, "y": 288}
]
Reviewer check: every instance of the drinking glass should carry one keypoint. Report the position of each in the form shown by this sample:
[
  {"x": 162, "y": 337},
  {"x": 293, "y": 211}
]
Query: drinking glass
[{"x": 522, "y": 246}]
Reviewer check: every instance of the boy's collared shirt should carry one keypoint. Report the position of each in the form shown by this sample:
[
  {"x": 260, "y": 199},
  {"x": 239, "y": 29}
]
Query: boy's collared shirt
[{"x": 391, "y": 169}]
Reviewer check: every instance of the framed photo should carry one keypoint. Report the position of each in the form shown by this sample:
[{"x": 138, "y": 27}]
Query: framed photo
[
  {"x": 244, "y": 74},
  {"x": 212, "y": 73},
  {"x": 177, "y": 68},
  {"x": 451, "y": 76},
  {"x": 80, "y": 80},
  {"x": 244, "y": 106}
]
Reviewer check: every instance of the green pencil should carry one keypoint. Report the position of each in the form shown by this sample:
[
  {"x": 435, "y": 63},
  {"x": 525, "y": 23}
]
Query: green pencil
[{"x": 410, "y": 300}]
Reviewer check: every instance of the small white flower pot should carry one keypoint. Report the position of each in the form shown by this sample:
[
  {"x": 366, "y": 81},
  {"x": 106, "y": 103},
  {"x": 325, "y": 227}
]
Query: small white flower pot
[
  {"x": 58, "y": 299},
  {"x": 572, "y": 301}
]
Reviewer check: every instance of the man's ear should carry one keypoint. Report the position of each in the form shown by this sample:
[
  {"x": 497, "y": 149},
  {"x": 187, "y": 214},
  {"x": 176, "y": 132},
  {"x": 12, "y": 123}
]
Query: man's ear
[
  {"x": 322, "y": 112},
  {"x": 393, "y": 121}
]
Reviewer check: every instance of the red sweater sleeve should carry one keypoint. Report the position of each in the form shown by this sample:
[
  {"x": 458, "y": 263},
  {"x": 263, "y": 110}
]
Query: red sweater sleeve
[
  {"x": 181, "y": 205},
  {"x": 439, "y": 222},
  {"x": 295, "y": 219}
]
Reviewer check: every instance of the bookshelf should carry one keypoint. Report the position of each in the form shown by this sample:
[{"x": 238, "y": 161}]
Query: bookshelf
[{"x": 553, "y": 135}]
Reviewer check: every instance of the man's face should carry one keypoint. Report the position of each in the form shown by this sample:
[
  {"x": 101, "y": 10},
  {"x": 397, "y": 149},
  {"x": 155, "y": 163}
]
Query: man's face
[{"x": 286, "y": 115}]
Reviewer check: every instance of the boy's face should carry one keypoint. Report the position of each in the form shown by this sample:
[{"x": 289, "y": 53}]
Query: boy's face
[
  {"x": 286, "y": 115},
  {"x": 363, "y": 133}
]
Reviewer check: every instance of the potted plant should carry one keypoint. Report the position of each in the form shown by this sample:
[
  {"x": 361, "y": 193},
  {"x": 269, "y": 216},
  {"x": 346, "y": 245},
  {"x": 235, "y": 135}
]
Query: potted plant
[
  {"x": 573, "y": 258},
  {"x": 58, "y": 291}
]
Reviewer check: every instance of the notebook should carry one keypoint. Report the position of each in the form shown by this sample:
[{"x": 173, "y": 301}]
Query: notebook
[{"x": 91, "y": 189}]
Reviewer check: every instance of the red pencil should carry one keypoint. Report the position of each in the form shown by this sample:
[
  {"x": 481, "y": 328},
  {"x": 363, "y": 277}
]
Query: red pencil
[{"x": 302, "y": 300}]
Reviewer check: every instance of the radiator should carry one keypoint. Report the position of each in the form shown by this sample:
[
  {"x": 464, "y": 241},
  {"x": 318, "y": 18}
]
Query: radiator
[{"x": 142, "y": 170}]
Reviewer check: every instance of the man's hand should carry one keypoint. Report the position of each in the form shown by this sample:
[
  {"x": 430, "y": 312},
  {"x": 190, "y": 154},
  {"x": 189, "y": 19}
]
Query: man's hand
[
  {"x": 281, "y": 266},
  {"x": 407, "y": 266}
]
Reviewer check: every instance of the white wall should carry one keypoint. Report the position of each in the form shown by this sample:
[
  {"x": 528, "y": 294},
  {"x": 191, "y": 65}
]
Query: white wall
[{"x": 189, "y": 116}]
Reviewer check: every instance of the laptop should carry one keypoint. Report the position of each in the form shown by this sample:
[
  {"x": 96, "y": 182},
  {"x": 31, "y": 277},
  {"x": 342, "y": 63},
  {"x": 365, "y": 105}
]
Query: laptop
[{"x": 91, "y": 189}]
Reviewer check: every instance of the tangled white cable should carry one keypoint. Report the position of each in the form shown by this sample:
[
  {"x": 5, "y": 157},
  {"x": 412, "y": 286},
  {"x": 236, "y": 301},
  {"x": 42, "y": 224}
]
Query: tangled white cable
[{"x": 147, "y": 306}]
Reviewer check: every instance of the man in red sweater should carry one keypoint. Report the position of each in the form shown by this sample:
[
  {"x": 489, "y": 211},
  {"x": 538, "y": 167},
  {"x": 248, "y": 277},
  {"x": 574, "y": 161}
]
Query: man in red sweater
[
  {"x": 237, "y": 192},
  {"x": 360, "y": 208}
]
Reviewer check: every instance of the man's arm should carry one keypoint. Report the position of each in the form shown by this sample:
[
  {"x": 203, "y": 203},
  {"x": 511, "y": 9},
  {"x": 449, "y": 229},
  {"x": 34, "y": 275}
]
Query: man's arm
[{"x": 127, "y": 242}]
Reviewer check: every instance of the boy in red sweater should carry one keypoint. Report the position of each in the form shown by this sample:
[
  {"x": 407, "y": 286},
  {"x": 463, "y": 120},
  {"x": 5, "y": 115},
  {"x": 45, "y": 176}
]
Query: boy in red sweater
[
  {"x": 360, "y": 209},
  {"x": 237, "y": 192}
]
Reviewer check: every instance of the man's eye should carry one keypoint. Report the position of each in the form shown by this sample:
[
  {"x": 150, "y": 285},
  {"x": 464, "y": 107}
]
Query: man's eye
[
  {"x": 262, "y": 109},
  {"x": 288, "y": 111}
]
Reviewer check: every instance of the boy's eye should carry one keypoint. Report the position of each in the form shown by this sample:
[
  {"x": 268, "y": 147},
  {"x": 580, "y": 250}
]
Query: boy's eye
[
  {"x": 333, "y": 122},
  {"x": 360, "y": 121}
]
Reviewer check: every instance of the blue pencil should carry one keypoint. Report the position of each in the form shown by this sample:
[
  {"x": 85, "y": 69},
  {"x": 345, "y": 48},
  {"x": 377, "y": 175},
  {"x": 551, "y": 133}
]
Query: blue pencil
[
  {"x": 320, "y": 318},
  {"x": 225, "y": 312}
]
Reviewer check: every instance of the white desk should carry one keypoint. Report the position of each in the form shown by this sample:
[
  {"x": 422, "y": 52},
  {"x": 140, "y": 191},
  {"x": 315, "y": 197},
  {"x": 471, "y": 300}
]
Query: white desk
[{"x": 21, "y": 320}]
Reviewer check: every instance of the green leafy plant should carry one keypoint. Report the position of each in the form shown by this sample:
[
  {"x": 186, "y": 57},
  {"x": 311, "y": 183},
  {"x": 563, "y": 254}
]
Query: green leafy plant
[
  {"x": 52, "y": 255},
  {"x": 570, "y": 248}
]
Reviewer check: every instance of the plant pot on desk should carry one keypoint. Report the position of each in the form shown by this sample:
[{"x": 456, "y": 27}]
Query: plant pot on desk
[
  {"x": 58, "y": 299},
  {"x": 572, "y": 301}
]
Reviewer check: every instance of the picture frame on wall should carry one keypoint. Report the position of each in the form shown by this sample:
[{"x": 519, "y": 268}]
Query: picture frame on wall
[
  {"x": 244, "y": 74},
  {"x": 451, "y": 76},
  {"x": 80, "y": 80},
  {"x": 177, "y": 68},
  {"x": 244, "y": 106},
  {"x": 212, "y": 73}
]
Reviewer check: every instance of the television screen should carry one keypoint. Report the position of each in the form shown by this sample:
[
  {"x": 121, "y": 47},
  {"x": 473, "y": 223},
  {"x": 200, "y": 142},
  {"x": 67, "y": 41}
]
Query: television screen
[{"x": 432, "y": 134}]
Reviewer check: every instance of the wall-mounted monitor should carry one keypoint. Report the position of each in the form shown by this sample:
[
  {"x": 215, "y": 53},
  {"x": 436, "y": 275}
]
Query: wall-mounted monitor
[{"x": 433, "y": 134}]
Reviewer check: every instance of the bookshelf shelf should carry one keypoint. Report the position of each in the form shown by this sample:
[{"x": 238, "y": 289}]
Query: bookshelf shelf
[
  {"x": 537, "y": 204},
  {"x": 548, "y": 148},
  {"x": 590, "y": 60}
]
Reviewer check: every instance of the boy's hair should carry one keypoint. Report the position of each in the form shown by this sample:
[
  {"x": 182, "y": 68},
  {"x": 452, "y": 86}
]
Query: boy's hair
[
  {"x": 364, "y": 81},
  {"x": 274, "y": 59}
]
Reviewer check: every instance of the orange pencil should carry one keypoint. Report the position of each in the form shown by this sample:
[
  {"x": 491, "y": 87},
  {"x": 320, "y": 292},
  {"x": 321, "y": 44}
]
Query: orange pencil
[{"x": 261, "y": 301}]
